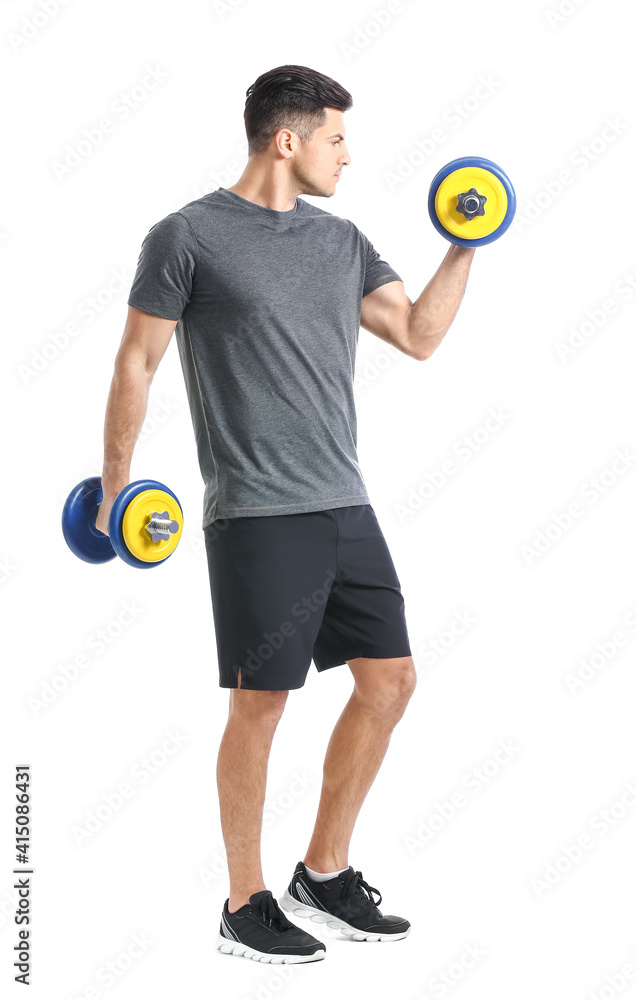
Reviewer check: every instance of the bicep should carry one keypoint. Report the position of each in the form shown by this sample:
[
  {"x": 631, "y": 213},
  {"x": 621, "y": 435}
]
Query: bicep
[
  {"x": 145, "y": 339},
  {"x": 385, "y": 312}
]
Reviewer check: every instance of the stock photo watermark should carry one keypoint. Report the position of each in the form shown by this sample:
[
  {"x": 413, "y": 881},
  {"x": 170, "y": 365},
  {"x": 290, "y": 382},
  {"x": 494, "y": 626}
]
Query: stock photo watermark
[
  {"x": 562, "y": 521},
  {"x": 556, "y": 16},
  {"x": 111, "y": 972},
  {"x": 432, "y": 649},
  {"x": 95, "y": 645},
  {"x": 275, "y": 807},
  {"x": 8, "y": 569},
  {"x": 157, "y": 414},
  {"x": 8, "y": 904},
  {"x": 594, "y": 663},
  {"x": 369, "y": 370},
  {"x": 270, "y": 986},
  {"x": 279, "y": 804},
  {"x": 86, "y": 311},
  {"x": 571, "y": 854},
  {"x": 224, "y": 176},
  {"x": 302, "y": 611},
  {"x": 33, "y": 23},
  {"x": 473, "y": 782},
  {"x": 377, "y": 21},
  {"x": 615, "y": 982},
  {"x": 196, "y": 542},
  {"x": 463, "y": 450},
  {"x": 451, "y": 120},
  {"x": 77, "y": 152},
  {"x": 224, "y": 7},
  {"x": 596, "y": 318},
  {"x": 112, "y": 802},
  {"x": 216, "y": 868},
  {"x": 579, "y": 161},
  {"x": 444, "y": 979}
]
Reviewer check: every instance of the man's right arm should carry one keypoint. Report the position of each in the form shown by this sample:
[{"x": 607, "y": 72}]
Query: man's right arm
[{"x": 143, "y": 345}]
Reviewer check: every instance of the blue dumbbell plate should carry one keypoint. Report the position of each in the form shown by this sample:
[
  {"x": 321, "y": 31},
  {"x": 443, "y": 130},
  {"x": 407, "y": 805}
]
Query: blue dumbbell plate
[{"x": 78, "y": 523}]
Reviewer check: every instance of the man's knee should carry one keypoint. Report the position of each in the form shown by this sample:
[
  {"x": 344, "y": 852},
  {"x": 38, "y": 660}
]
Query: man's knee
[
  {"x": 260, "y": 706},
  {"x": 408, "y": 677},
  {"x": 384, "y": 685}
]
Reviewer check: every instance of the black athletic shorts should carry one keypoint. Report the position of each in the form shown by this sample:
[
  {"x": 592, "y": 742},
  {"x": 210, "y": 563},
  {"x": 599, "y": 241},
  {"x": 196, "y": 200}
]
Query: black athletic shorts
[{"x": 290, "y": 588}]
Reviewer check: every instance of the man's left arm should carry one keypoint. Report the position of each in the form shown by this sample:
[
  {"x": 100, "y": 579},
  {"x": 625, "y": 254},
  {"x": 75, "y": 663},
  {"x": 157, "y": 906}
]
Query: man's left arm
[{"x": 417, "y": 328}]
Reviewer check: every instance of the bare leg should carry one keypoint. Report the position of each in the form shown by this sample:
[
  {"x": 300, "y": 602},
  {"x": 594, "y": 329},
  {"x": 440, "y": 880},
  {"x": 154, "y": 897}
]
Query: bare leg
[
  {"x": 356, "y": 749},
  {"x": 242, "y": 778}
]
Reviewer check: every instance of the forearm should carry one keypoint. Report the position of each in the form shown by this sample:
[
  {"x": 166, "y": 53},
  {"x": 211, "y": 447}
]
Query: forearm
[
  {"x": 433, "y": 312},
  {"x": 125, "y": 413}
]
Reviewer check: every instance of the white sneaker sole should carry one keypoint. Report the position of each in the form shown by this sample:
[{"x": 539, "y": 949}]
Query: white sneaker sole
[
  {"x": 320, "y": 917},
  {"x": 236, "y": 948}
]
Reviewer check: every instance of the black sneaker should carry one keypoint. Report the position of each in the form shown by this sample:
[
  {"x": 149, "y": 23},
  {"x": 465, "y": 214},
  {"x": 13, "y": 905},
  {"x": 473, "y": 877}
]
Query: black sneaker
[
  {"x": 260, "y": 930},
  {"x": 344, "y": 903}
]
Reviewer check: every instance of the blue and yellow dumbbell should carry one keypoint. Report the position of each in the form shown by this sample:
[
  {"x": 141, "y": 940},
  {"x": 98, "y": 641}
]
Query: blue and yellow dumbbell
[
  {"x": 145, "y": 523},
  {"x": 471, "y": 201}
]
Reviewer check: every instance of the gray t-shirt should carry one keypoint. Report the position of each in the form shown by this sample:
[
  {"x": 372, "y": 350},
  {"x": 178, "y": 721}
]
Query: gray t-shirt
[{"x": 268, "y": 305}]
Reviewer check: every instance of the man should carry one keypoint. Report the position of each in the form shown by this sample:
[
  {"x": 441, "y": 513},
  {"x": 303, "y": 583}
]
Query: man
[{"x": 268, "y": 293}]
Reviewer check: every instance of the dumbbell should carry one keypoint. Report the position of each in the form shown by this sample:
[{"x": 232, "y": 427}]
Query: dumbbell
[
  {"x": 471, "y": 201},
  {"x": 145, "y": 523}
]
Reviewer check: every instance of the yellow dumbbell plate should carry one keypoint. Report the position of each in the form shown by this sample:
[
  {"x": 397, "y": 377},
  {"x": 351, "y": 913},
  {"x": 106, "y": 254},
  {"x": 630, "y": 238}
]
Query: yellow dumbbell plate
[
  {"x": 136, "y": 517},
  {"x": 462, "y": 180}
]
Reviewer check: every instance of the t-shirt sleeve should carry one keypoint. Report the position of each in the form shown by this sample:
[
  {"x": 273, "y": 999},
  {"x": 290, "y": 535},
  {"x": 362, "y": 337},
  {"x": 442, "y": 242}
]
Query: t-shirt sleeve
[
  {"x": 165, "y": 271},
  {"x": 377, "y": 271}
]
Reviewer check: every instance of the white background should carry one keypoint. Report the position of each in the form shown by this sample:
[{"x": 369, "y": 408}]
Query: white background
[{"x": 540, "y": 594}]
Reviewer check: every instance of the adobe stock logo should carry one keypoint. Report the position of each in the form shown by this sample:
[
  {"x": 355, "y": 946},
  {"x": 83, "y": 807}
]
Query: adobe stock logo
[
  {"x": 571, "y": 854},
  {"x": 377, "y": 22},
  {"x": 556, "y": 16},
  {"x": 465, "y": 449},
  {"x": 31, "y": 26},
  {"x": 120, "y": 109},
  {"x": 581, "y": 159},
  {"x": 303, "y": 611},
  {"x": 562, "y": 521},
  {"x": 597, "y": 316}
]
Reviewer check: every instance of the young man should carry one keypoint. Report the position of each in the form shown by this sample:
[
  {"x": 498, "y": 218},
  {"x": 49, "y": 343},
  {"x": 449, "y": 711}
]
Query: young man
[{"x": 268, "y": 293}]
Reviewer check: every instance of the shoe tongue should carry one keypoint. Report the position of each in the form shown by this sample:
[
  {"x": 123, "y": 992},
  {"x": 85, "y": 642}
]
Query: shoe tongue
[
  {"x": 345, "y": 871},
  {"x": 256, "y": 897}
]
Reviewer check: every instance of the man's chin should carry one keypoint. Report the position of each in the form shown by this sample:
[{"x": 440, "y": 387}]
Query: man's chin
[{"x": 324, "y": 192}]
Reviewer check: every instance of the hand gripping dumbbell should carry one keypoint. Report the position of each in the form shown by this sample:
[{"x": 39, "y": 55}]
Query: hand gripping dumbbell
[
  {"x": 471, "y": 201},
  {"x": 145, "y": 523}
]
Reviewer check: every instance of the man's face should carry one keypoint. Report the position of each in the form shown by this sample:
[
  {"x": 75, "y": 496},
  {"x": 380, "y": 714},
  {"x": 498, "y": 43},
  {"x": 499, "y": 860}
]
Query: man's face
[{"x": 316, "y": 165}]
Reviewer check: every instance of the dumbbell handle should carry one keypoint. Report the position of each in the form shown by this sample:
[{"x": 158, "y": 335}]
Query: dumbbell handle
[{"x": 160, "y": 526}]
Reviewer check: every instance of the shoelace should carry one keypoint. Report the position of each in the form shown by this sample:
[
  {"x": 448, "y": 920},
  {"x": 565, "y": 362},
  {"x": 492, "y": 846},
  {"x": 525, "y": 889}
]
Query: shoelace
[
  {"x": 272, "y": 913},
  {"x": 353, "y": 882}
]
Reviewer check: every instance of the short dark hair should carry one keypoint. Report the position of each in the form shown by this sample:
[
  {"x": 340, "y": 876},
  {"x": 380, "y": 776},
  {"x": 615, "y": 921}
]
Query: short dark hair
[{"x": 293, "y": 97}]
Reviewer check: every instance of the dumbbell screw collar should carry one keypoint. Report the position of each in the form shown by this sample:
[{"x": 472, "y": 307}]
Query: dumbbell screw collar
[
  {"x": 160, "y": 526},
  {"x": 471, "y": 204}
]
